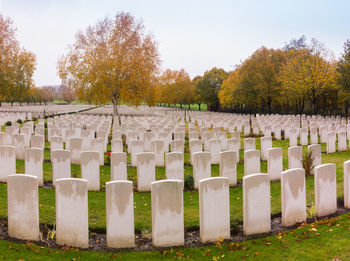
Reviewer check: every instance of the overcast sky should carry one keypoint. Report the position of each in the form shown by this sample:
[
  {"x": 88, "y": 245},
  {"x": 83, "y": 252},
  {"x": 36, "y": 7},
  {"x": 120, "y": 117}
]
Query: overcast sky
[{"x": 192, "y": 34}]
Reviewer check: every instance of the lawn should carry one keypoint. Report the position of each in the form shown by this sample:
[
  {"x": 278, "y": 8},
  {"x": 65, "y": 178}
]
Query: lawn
[
  {"x": 260, "y": 248},
  {"x": 142, "y": 201},
  {"x": 327, "y": 239}
]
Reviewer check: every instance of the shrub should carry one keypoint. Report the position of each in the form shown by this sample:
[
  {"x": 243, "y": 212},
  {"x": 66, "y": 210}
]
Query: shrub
[
  {"x": 19, "y": 121},
  {"x": 189, "y": 182},
  {"x": 107, "y": 158},
  {"x": 308, "y": 161},
  {"x": 8, "y": 123},
  {"x": 45, "y": 125}
]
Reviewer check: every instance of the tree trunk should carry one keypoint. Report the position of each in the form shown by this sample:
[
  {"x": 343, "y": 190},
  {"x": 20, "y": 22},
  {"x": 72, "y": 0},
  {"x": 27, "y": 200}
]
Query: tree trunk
[
  {"x": 115, "y": 110},
  {"x": 199, "y": 106}
]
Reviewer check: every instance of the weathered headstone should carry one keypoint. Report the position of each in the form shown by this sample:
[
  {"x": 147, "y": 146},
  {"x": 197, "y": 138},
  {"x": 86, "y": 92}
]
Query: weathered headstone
[
  {"x": 331, "y": 139},
  {"x": 167, "y": 213},
  {"x": 145, "y": 171},
  {"x": 61, "y": 165},
  {"x": 325, "y": 189},
  {"x": 23, "y": 207},
  {"x": 195, "y": 146},
  {"x": 228, "y": 167},
  {"x": 251, "y": 162},
  {"x": 118, "y": 166},
  {"x": 72, "y": 227},
  {"x": 158, "y": 150},
  {"x": 266, "y": 143},
  {"x": 342, "y": 143},
  {"x": 295, "y": 157},
  {"x": 249, "y": 144},
  {"x": 174, "y": 165},
  {"x": 214, "y": 209},
  {"x": 120, "y": 214},
  {"x": 33, "y": 163},
  {"x": 75, "y": 150},
  {"x": 90, "y": 169},
  {"x": 201, "y": 167},
  {"x": 215, "y": 149},
  {"x": 117, "y": 145},
  {"x": 315, "y": 150},
  {"x": 293, "y": 197},
  {"x": 346, "y": 174},
  {"x": 256, "y": 204},
  {"x": 275, "y": 163},
  {"x": 18, "y": 142}
]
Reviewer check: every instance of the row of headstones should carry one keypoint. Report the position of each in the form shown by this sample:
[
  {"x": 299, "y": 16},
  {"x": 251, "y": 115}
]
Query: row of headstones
[
  {"x": 275, "y": 160},
  {"x": 11, "y": 116},
  {"x": 38, "y": 110},
  {"x": 167, "y": 207},
  {"x": 146, "y": 163}
]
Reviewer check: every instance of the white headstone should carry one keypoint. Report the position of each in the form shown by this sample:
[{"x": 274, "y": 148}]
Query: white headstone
[
  {"x": 167, "y": 213},
  {"x": 120, "y": 214},
  {"x": 72, "y": 227},
  {"x": 214, "y": 209}
]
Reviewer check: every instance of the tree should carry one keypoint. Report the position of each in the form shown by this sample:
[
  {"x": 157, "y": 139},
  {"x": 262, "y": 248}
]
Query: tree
[
  {"x": 114, "y": 59},
  {"x": 229, "y": 93},
  {"x": 47, "y": 94},
  {"x": 296, "y": 44},
  {"x": 175, "y": 87},
  {"x": 260, "y": 72},
  {"x": 24, "y": 64},
  {"x": 67, "y": 94},
  {"x": 17, "y": 65},
  {"x": 208, "y": 86},
  {"x": 309, "y": 72},
  {"x": 343, "y": 79}
]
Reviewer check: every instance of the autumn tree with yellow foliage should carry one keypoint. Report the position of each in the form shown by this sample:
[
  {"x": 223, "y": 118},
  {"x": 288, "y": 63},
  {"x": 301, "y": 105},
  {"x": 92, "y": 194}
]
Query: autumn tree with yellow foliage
[
  {"x": 297, "y": 78},
  {"x": 113, "y": 60},
  {"x": 17, "y": 65},
  {"x": 309, "y": 72},
  {"x": 175, "y": 87}
]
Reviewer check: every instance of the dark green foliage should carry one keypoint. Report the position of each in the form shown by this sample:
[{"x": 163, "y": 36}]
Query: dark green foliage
[
  {"x": 308, "y": 161},
  {"x": 189, "y": 182}
]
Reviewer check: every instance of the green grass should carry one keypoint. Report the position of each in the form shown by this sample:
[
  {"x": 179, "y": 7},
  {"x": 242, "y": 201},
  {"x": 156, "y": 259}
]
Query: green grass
[
  {"x": 143, "y": 221},
  {"x": 142, "y": 201},
  {"x": 327, "y": 239}
]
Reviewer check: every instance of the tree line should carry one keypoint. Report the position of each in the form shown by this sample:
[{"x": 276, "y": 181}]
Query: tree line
[{"x": 297, "y": 78}]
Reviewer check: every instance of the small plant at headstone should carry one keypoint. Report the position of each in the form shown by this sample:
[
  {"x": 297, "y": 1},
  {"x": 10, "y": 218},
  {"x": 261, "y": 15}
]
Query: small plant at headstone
[
  {"x": 311, "y": 211},
  {"x": 107, "y": 158},
  {"x": 146, "y": 233},
  {"x": 308, "y": 161},
  {"x": 189, "y": 182},
  {"x": 19, "y": 121},
  {"x": 8, "y": 123},
  {"x": 51, "y": 233}
]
